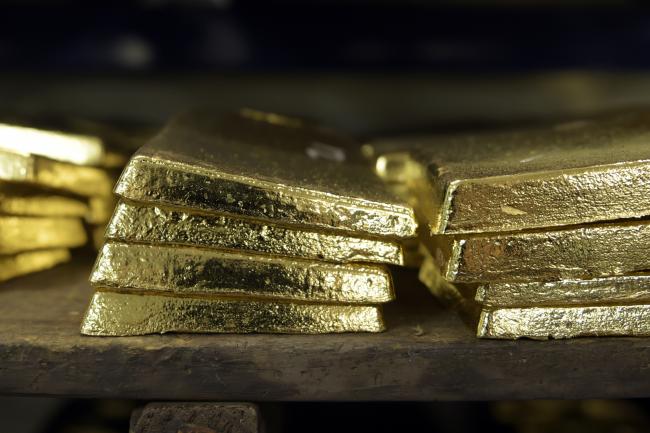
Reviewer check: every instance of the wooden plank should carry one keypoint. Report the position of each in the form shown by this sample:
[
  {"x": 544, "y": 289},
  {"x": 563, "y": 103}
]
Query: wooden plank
[{"x": 427, "y": 354}]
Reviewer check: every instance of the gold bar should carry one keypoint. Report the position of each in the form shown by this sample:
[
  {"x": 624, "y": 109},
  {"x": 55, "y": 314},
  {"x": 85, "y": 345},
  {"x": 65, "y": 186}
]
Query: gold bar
[
  {"x": 31, "y": 261},
  {"x": 628, "y": 289},
  {"x": 565, "y": 322},
  {"x": 590, "y": 251},
  {"x": 57, "y": 145},
  {"x": 521, "y": 180},
  {"x": 266, "y": 167},
  {"x": 159, "y": 225},
  {"x": 43, "y": 172},
  {"x": 32, "y": 233},
  {"x": 100, "y": 209},
  {"x": 119, "y": 314},
  {"x": 194, "y": 271},
  {"x": 20, "y": 200}
]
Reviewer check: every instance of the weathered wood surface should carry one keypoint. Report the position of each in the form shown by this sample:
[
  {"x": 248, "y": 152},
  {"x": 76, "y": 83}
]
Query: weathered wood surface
[{"x": 427, "y": 354}]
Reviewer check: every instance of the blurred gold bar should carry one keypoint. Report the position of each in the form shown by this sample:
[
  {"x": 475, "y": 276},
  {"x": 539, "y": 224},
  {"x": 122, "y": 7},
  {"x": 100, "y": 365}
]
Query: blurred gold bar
[
  {"x": 520, "y": 180},
  {"x": 589, "y": 251},
  {"x": 627, "y": 289},
  {"x": 194, "y": 271},
  {"x": 31, "y": 261},
  {"x": 100, "y": 209},
  {"x": 24, "y": 201},
  {"x": 267, "y": 167},
  {"x": 159, "y": 225},
  {"x": 121, "y": 314},
  {"x": 47, "y": 173},
  {"x": 57, "y": 145},
  {"x": 31, "y": 233},
  {"x": 565, "y": 322}
]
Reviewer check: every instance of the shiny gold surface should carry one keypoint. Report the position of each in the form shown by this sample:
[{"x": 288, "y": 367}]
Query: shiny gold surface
[
  {"x": 589, "y": 251},
  {"x": 31, "y": 261},
  {"x": 194, "y": 271},
  {"x": 565, "y": 322},
  {"x": 152, "y": 224},
  {"x": 36, "y": 170},
  {"x": 628, "y": 289},
  {"x": 32, "y": 233},
  {"x": 567, "y": 174},
  {"x": 61, "y": 146},
  {"x": 23, "y": 201},
  {"x": 268, "y": 170},
  {"x": 119, "y": 314}
]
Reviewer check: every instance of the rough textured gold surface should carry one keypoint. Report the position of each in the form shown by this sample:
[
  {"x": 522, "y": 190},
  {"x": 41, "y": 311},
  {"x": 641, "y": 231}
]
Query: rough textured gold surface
[
  {"x": 120, "y": 314},
  {"x": 61, "y": 146},
  {"x": 31, "y": 233},
  {"x": 24, "y": 201},
  {"x": 194, "y": 271},
  {"x": 260, "y": 167},
  {"x": 31, "y": 261},
  {"x": 568, "y": 174},
  {"x": 153, "y": 224},
  {"x": 628, "y": 289},
  {"x": 36, "y": 170},
  {"x": 565, "y": 322},
  {"x": 589, "y": 251}
]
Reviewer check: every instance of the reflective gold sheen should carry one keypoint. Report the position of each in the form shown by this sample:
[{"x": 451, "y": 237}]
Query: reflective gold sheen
[
  {"x": 36, "y": 170},
  {"x": 120, "y": 314},
  {"x": 31, "y": 233},
  {"x": 194, "y": 271},
  {"x": 21, "y": 201},
  {"x": 568, "y": 174},
  {"x": 262, "y": 167},
  {"x": 565, "y": 322},
  {"x": 31, "y": 261},
  {"x": 628, "y": 289},
  {"x": 589, "y": 251},
  {"x": 152, "y": 224}
]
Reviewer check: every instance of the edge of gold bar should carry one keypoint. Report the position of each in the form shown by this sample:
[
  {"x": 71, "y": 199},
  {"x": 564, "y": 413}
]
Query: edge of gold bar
[
  {"x": 121, "y": 314},
  {"x": 565, "y": 322},
  {"x": 19, "y": 201},
  {"x": 306, "y": 179},
  {"x": 36, "y": 170},
  {"x": 194, "y": 271},
  {"x": 627, "y": 289},
  {"x": 585, "y": 252},
  {"x": 31, "y": 233},
  {"x": 159, "y": 225},
  {"x": 31, "y": 261}
]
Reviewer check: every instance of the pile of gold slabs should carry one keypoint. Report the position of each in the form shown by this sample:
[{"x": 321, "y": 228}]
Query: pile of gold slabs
[
  {"x": 54, "y": 186},
  {"x": 540, "y": 233},
  {"x": 248, "y": 222}
]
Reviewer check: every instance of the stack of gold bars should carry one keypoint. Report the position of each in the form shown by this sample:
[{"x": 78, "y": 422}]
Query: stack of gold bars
[
  {"x": 248, "y": 222},
  {"x": 537, "y": 233},
  {"x": 53, "y": 187}
]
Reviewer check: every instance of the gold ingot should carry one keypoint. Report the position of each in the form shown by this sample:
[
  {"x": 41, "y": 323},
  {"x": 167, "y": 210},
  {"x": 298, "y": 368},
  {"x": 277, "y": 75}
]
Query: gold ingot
[
  {"x": 44, "y": 172},
  {"x": 31, "y": 233},
  {"x": 159, "y": 225},
  {"x": 565, "y": 322},
  {"x": 627, "y": 289},
  {"x": 569, "y": 174},
  {"x": 122, "y": 314},
  {"x": 194, "y": 271},
  {"x": 57, "y": 145},
  {"x": 100, "y": 209},
  {"x": 589, "y": 251},
  {"x": 266, "y": 167},
  {"x": 24, "y": 201},
  {"x": 12, "y": 266}
]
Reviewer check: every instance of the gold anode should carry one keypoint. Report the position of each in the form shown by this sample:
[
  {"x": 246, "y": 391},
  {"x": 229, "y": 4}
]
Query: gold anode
[
  {"x": 123, "y": 314},
  {"x": 565, "y": 322},
  {"x": 267, "y": 167},
  {"x": 27, "y": 262},
  {"x": 568, "y": 174},
  {"x": 31, "y": 233},
  {"x": 48, "y": 173},
  {"x": 589, "y": 251},
  {"x": 160, "y": 225},
  {"x": 194, "y": 271},
  {"x": 19, "y": 200}
]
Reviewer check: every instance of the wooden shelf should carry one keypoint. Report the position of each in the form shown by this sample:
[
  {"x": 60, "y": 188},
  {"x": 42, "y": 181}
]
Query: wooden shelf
[{"x": 427, "y": 354}]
